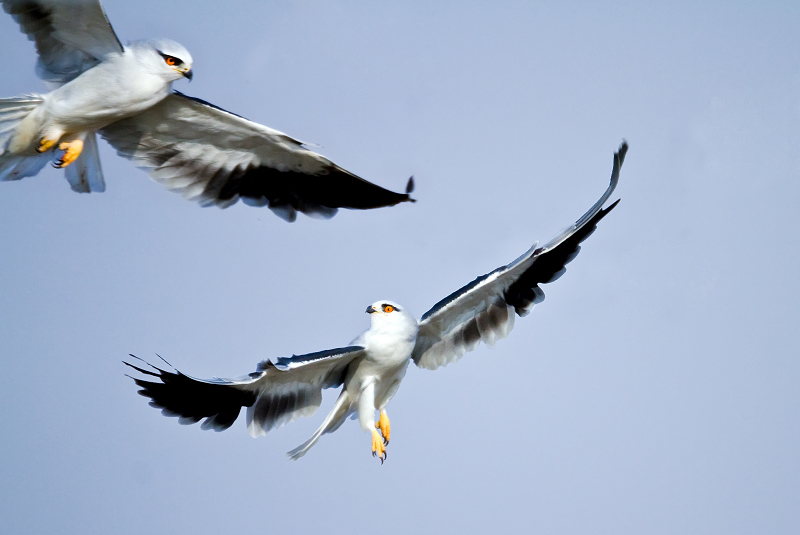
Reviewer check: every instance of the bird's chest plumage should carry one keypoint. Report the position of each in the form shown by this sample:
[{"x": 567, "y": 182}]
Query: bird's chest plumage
[
  {"x": 105, "y": 94},
  {"x": 387, "y": 356},
  {"x": 391, "y": 346}
]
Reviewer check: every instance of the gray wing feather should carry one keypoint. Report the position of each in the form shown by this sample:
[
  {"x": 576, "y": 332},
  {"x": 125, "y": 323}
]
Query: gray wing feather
[
  {"x": 70, "y": 36},
  {"x": 296, "y": 389},
  {"x": 273, "y": 394},
  {"x": 484, "y": 310},
  {"x": 216, "y": 157}
]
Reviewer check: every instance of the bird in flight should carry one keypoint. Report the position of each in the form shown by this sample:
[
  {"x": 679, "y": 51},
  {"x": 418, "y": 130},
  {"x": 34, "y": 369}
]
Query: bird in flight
[
  {"x": 125, "y": 94},
  {"x": 371, "y": 368}
]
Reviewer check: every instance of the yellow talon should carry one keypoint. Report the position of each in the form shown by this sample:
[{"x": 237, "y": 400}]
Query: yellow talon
[
  {"x": 385, "y": 427},
  {"x": 72, "y": 149},
  {"x": 378, "y": 449},
  {"x": 45, "y": 144}
]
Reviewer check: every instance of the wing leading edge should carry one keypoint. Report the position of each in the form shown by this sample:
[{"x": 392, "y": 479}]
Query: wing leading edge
[
  {"x": 484, "y": 309},
  {"x": 216, "y": 157}
]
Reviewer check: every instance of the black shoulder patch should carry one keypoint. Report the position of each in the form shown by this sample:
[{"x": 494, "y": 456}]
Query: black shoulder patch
[
  {"x": 206, "y": 103},
  {"x": 319, "y": 355}
]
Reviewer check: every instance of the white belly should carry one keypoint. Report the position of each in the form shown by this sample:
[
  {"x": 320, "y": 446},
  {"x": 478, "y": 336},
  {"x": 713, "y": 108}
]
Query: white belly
[{"x": 383, "y": 368}]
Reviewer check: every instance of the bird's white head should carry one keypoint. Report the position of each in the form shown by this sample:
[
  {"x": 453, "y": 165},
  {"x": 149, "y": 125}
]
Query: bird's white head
[
  {"x": 388, "y": 315},
  {"x": 390, "y": 326},
  {"x": 173, "y": 60}
]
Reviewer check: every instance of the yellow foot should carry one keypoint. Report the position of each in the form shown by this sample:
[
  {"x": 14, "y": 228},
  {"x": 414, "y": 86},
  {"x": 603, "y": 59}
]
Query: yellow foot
[
  {"x": 385, "y": 427},
  {"x": 45, "y": 144},
  {"x": 378, "y": 449},
  {"x": 72, "y": 149}
]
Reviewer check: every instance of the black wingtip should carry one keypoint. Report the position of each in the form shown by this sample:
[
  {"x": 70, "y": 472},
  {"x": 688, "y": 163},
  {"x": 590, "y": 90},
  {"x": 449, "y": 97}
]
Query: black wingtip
[
  {"x": 165, "y": 361},
  {"x": 140, "y": 370},
  {"x": 623, "y": 149},
  {"x": 160, "y": 373},
  {"x": 410, "y": 188},
  {"x": 610, "y": 207}
]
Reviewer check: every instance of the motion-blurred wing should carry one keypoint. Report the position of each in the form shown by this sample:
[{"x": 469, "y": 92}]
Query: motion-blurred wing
[
  {"x": 71, "y": 36},
  {"x": 216, "y": 157},
  {"x": 274, "y": 394},
  {"x": 484, "y": 309}
]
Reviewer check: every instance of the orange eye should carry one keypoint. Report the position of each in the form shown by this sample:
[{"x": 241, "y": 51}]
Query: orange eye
[
  {"x": 388, "y": 308},
  {"x": 171, "y": 61}
]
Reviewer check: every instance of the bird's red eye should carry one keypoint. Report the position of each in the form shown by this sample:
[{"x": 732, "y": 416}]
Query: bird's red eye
[
  {"x": 388, "y": 308},
  {"x": 171, "y": 61}
]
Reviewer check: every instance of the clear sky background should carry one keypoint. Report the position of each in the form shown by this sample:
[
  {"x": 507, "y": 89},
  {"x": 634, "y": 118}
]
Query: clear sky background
[{"x": 656, "y": 390}]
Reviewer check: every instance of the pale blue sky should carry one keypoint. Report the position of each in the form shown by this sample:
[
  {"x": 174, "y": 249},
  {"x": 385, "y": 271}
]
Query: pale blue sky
[{"x": 656, "y": 390}]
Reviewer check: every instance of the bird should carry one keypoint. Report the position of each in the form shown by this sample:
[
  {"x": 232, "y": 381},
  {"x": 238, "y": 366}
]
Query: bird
[
  {"x": 124, "y": 94},
  {"x": 371, "y": 368}
]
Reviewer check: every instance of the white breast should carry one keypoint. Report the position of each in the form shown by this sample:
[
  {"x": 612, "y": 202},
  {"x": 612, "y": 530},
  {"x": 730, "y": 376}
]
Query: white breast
[{"x": 117, "y": 88}]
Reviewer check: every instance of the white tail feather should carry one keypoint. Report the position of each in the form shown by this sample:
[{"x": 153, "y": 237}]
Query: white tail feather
[
  {"x": 332, "y": 422},
  {"x": 18, "y": 159},
  {"x": 12, "y": 112},
  {"x": 85, "y": 174},
  {"x": 15, "y": 167}
]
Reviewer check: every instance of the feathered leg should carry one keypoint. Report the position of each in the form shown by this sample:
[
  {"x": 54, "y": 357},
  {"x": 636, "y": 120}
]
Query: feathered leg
[{"x": 366, "y": 417}]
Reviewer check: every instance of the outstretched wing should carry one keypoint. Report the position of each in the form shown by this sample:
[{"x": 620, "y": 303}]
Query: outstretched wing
[
  {"x": 216, "y": 157},
  {"x": 274, "y": 394},
  {"x": 483, "y": 310},
  {"x": 71, "y": 36}
]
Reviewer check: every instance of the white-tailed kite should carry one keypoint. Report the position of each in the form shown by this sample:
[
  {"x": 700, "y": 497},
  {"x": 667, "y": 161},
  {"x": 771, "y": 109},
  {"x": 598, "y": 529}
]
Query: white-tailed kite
[
  {"x": 373, "y": 365},
  {"x": 125, "y": 93}
]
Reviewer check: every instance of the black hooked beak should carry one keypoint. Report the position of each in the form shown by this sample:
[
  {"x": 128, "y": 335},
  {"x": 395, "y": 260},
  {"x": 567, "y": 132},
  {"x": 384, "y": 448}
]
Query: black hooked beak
[
  {"x": 188, "y": 74},
  {"x": 370, "y": 310}
]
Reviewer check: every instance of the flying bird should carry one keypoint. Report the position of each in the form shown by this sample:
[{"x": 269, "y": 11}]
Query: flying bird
[
  {"x": 124, "y": 94},
  {"x": 371, "y": 368}
]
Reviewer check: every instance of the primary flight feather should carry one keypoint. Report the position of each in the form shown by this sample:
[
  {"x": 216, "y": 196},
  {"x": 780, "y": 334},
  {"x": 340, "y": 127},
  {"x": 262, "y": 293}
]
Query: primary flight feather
[
  {"x": 371, "y": 368},
  {"x": 124, "y": 94}
]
